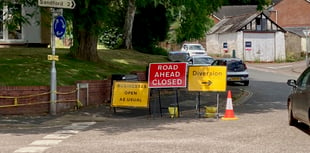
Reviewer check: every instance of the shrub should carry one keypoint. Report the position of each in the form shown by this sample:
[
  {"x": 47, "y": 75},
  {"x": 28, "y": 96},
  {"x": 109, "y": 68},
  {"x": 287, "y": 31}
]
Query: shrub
[{"x": 111, "y": 38}]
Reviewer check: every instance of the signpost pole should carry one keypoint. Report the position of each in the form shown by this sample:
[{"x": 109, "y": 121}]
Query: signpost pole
[
  {"x": 306, "y": 33},
  {"x": 59, "y": 27},
  {"x": 53, "y": 97}
]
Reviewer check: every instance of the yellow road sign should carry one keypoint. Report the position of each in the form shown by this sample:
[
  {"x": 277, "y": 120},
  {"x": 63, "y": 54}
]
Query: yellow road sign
[
  {"x": 52, "y": 57},
  {"x": 131, "y": 94},
  {"x": 207, "y": 78}
]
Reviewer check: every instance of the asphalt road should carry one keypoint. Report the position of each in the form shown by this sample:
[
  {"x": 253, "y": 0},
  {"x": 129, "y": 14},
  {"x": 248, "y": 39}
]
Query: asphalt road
[{"x": 262, "y": 127}]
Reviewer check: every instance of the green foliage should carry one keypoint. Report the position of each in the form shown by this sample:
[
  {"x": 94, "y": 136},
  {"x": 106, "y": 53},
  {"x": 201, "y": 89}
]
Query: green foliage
[
  {"x": 193, "y": 18},
  {"x": 159, "y": 51},
  {"x": 15, "y": 17},
  {"x": 111, "y": 38}
]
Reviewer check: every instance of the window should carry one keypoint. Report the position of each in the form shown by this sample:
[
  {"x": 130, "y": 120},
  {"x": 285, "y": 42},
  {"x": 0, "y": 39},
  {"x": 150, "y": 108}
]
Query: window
[
  {"x": 261, "y": 23},
  {"x": 12, "y": 29},
  {"x": 304, "y": 79}
]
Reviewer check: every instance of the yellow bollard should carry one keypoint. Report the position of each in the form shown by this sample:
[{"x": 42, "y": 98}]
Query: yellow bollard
[
  {"x": 173, "y": 111},
  {"x": 210, "y": 112}
]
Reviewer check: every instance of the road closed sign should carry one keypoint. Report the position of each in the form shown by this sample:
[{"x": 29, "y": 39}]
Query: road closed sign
[
  {"x": 167, "y": 75},
  {"x": 207, "y": 78}
]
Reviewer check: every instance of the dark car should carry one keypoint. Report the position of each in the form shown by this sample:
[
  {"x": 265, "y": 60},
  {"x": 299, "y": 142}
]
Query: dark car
[
  {"x": 236, "y": 70},
  {"x": 298, "y": 102}
]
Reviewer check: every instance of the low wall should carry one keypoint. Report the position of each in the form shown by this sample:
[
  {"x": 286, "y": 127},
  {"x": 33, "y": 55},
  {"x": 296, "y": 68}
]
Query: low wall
[{"x": 27, "y": 100}]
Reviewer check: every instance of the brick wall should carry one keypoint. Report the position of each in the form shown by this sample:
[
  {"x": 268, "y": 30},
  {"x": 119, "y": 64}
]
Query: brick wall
[
  {"x": 291, "y": 13},
  {"x": 22, "y": 100},
  {"x": 26, "y": 100}
]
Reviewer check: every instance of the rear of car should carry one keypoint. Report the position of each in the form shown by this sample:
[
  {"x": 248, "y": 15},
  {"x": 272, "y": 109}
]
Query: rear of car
[{"x": 236, "y": 70}]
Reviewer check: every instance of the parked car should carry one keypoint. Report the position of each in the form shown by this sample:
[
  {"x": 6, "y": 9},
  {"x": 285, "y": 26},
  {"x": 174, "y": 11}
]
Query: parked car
[
  {"x": 298, "y": 102},
  {"x": 200, "y": 60},
  {"x": 193, "y": 49},
  {"x": 236, "y": 70},
  {"x": 178, "y": 56}
]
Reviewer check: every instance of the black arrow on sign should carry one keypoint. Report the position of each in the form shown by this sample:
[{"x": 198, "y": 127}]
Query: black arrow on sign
[{"x": 208, "y": 83}]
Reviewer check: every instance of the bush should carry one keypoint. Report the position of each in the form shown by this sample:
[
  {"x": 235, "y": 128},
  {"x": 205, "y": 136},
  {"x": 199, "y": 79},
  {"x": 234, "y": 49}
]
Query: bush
[{"x": 111, "y": 38}]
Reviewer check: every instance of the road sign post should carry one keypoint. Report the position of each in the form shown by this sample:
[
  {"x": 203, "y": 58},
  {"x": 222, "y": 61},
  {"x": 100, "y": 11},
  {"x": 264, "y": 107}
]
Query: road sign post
[
  {"x": 58, "y": 27},
  {"x": 307, "y": 34},
  {"x": 53, "y": 96}
]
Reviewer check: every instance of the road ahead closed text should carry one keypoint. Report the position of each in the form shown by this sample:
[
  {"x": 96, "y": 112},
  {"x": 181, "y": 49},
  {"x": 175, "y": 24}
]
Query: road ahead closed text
[{"x": 164, "y": 75}]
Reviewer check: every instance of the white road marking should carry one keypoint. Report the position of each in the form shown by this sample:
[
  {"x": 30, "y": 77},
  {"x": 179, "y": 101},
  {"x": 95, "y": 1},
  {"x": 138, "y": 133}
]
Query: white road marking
[
  {"x": 38, "y": 146},
  {"x": 67, "y": 132},
  {"x": 83, "y": 124},
  {"x": 79, "y": 125},
  {"x": 279, "y": 67},
  {"x": 45, "y": 142},
  {"x": 31, "y": 149},
  {"x": 71, "y": 127},
  {"x": 57, "y": 136}
]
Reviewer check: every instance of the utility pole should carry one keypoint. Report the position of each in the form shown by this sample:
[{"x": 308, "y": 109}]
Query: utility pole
[{"x": 306, "y": 33}]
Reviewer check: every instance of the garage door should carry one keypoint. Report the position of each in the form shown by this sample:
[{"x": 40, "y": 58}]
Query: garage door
[{"x": 259, "y": 47}]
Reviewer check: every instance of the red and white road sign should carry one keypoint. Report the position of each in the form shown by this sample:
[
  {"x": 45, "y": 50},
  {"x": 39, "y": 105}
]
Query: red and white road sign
[{"x": 167, "y": 75}]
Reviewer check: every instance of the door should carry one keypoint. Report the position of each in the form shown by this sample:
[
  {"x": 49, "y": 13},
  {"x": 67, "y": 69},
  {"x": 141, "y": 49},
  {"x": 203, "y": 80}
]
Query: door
[
  {"x": 259, "y": 47},
  {"x": 301, "y": 99}
]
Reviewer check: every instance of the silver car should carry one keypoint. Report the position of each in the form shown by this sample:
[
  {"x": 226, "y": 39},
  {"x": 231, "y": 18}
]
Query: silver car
[
  {"x": 201, "y": 60},
  {"x": 298, "y": 102}
]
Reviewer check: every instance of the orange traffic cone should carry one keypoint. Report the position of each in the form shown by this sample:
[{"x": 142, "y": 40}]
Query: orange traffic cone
[{"x": 229, "y": 113}]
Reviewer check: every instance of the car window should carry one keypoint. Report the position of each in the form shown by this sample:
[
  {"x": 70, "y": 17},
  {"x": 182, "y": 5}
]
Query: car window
[
  {"x": 236, "y": 66},
  {"x": 219, "y": 62},
  {"x": 304, "y": 79},
  {"x": 195, "y": 47},
  {"x": 203, "y": 60}
]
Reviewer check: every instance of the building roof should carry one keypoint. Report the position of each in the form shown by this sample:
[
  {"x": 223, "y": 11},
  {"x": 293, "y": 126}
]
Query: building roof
[
  {"x": 236, "y": 23},
  {"x": 234, "y": 10},
  {"x": 232, "y": 24},
  {"x": 297, "y": 30}
]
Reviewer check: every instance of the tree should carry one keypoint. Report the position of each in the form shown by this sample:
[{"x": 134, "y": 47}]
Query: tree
[
  {"x": 151, "y": 26},
  {"x": 90, "y": 16},
  {"x": 88, "y": 19},
  {"x": 130, "y": 15},
  {"x": 192, "y": 16}
]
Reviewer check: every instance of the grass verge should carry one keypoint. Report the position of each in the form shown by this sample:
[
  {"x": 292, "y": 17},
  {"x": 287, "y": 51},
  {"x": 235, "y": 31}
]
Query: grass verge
[{"x": 29, "y": 66}]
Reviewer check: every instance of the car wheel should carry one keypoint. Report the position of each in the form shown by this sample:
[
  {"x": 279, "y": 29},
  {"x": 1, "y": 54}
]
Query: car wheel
[
  {"x": 291, "y": 120},
  {"x": 246, "y": 83}
]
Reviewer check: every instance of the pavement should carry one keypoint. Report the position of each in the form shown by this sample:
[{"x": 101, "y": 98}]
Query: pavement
[
  {"x": 104, "y": 112},
  {"x": 293, "y": 69}
]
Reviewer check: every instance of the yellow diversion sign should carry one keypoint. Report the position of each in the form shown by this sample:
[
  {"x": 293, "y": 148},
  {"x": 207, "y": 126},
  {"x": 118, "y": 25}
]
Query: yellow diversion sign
[
  {"x": 132, "y": 94},
  {"x": 207, "y": 78}
]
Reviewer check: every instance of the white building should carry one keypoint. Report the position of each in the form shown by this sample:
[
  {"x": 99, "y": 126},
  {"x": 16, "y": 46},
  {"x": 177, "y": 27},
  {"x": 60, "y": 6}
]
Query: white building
[
  {"x": 36, "y": 33},
  {"x": 251, "y": 37}
]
